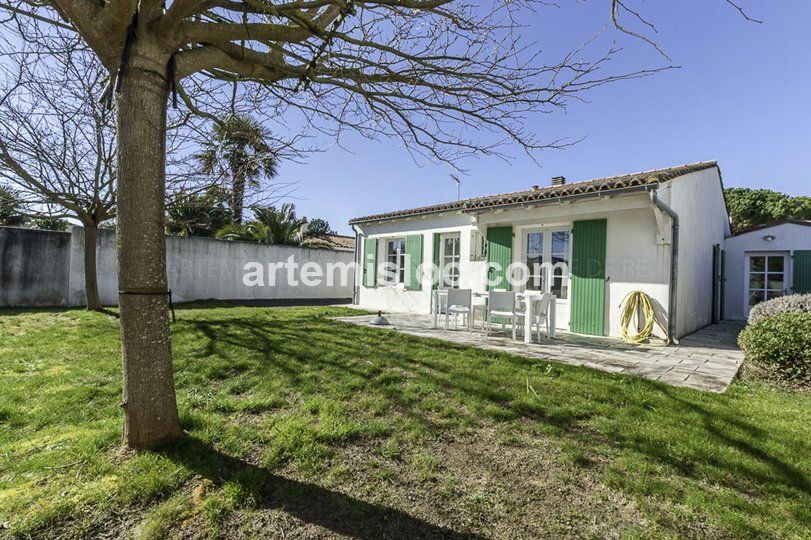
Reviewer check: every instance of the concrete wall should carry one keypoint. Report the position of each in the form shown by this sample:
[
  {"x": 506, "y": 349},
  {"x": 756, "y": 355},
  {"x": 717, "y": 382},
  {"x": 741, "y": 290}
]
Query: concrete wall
[
  {"x": 634, "y": 259},
  {"x": 698, "y": 199},
  {"x": 788, "y": 238},
  {"x": 34, "y": 267},
  {"x": 41, "y": 268}
]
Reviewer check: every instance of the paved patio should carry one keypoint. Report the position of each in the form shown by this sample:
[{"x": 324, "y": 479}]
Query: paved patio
[{"x": 705, "y": 360}]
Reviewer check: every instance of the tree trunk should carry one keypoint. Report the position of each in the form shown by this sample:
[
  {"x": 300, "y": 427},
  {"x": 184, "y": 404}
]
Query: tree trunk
[
  {"x": 91, "y": 284},
  {"x": 237, "y": 194},
  {"x": 150, "y": 407}
]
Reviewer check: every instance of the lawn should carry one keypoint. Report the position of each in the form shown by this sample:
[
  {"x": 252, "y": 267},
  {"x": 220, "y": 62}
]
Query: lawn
[{"x": 302, "y": 426}]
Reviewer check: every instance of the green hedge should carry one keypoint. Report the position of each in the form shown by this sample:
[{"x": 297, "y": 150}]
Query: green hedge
[
  {"x": 781, "y": 344},
  {"x": 782, "y": 304}
]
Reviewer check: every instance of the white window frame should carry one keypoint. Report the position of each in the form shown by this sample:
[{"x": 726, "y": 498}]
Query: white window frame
[
  {"x": 457, "y": 257},
  {"x": 399, "y": 280}
]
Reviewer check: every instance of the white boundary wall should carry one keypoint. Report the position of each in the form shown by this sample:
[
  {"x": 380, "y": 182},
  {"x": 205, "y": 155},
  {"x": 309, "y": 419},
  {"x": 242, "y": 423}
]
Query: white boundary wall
[{"x": 197, "y": 268}]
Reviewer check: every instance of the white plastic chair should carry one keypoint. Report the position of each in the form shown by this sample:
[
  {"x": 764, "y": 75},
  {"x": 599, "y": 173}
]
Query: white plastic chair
[
  {"x": 540, "y": 312},
  {"x": 460, "y": 302},
  {"x": 501, "y": 304}
]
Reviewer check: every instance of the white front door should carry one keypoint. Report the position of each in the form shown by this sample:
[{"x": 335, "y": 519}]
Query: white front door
[{"x": 765, "y": 277}]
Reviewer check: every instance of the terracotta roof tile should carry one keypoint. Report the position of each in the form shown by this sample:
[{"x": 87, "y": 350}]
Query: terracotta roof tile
[{"x": 549, "y": 192}]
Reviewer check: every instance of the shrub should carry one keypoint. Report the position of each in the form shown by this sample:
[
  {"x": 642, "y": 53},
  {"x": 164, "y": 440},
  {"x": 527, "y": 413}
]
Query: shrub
[
  {"x": 784, "y": 304},
  {"x": 781, "y": 344}
]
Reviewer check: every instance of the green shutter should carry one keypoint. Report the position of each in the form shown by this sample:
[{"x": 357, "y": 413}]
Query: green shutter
[
  {"x": 588, "y": 277},
  {"x": 802, "y": 272},
  {"x": 436, "y": 276},
  {"x": 499, "y": 250},
  {"x": 370, "y": 262},
  {"x": 413, "y": 253},
  {"x": 723, "y": 281}
]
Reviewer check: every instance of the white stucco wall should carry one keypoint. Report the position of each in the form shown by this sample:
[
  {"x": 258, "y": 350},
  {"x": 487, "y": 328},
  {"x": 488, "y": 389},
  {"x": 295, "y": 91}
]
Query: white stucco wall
[
  {"x": 698, "y": 199},
  {"x": 789, "y": 237},
  {"x": 634, "y": 260},
  {"x": 204, "y": 268}
]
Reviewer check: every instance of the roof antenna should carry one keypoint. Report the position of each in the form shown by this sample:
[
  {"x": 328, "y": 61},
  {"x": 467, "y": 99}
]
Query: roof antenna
[{"x": 456, "y": 179}]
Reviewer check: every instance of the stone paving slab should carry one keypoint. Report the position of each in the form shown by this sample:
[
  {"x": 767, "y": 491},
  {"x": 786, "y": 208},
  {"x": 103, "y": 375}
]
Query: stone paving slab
[{"x": 705, "y": 360}]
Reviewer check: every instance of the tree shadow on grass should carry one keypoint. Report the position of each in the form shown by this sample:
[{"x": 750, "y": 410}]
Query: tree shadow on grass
[
  {"x": 310, "y": 503},
  {"x": 433, "y": 363},
  {"x": 722, "y": 426},
  {"x": 279, "y": 345}
]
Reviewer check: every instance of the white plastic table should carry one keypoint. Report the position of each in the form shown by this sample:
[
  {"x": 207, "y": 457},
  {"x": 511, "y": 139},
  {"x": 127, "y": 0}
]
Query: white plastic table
[{"x": 530, "y": 297}]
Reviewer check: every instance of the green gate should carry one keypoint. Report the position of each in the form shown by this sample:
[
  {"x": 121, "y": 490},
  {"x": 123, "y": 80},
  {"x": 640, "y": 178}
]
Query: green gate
[
  {"x": 370, "y": 262},
  {"x": 588, "y": 277},
  {"x": 718, "y": 278}
]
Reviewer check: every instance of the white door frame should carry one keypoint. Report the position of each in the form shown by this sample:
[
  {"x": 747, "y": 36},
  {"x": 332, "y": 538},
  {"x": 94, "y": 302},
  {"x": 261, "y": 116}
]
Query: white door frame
[
  {"x": 442, "y": 238},
  {"x": 520, "y": 254}
]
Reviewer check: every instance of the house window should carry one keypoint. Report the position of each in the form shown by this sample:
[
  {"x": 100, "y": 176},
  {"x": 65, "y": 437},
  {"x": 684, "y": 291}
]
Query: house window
[
  {"x": 552, "y": 247},
  {"x": 394, "y": 272},
  {"x": 450, "y": 259}
]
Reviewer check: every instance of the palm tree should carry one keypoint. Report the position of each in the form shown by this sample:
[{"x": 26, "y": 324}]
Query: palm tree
[
  {"x": 239, "y": 149},
  {"x": 281, "y": 225},
  {"x": 270, "y": 226}
]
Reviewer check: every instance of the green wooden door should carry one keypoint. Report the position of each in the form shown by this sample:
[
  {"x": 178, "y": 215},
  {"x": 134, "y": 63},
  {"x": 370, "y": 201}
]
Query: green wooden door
[
  {"x": 588, "y": 277},
  {"x": 499, "y": 252},
  {"x": 370, "y": 262},
  {"x": 802, "y": 272}
]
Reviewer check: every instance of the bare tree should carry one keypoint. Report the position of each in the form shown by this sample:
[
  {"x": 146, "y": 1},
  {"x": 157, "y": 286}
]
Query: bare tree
[
  {"x": 448, "y": 78},
  {"x": 57, "y": 144}
]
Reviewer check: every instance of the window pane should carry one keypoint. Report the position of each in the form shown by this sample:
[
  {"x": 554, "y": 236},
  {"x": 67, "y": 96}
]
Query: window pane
[
  {"x": 756, "y": 297},
  {"x": 776, "y": 264},
  {"x": 534, "y": 264},
  {"x": 757, "y": 264},
  {"x": 560, "y": 242},
  {"x": 535, "y": 244},
  {"x": 451, "y": 245},
  {"x": 775, "y": 281},
  {"x": 560, "y": 287},
  {"x": 558, "y": 259},
  {"x": 757, "y": 281}
]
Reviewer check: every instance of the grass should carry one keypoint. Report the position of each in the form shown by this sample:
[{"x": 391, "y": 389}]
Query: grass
[{"x": 302, "y": 426}]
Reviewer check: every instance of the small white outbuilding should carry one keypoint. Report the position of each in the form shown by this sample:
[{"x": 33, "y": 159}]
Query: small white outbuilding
[{"x": 766, "y": 262}]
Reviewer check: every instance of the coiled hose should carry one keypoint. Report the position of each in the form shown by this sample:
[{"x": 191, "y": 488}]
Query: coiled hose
[{"x": 633, "y": 303}]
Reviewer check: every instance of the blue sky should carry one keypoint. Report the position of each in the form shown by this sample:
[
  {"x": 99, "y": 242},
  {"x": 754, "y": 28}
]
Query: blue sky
[{"x": 742, "y": 96}]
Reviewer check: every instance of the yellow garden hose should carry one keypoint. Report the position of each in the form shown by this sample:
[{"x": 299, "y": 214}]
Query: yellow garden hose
[{"x": 633, "y": 303}]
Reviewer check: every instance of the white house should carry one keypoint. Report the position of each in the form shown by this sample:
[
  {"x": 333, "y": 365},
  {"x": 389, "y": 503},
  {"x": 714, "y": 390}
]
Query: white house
[
  {"x": 657, "y": 231},
  {"x": 766, "y": 262}
]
